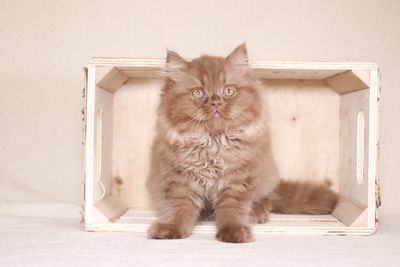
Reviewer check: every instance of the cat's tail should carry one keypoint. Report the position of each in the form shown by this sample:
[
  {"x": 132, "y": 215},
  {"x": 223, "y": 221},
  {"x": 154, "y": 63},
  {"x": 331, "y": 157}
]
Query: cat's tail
[{"x": 304, "y": 197}]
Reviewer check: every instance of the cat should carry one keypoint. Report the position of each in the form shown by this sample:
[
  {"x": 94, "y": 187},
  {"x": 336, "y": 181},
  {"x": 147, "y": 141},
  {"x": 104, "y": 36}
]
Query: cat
[{"x": 212, "y": 152}]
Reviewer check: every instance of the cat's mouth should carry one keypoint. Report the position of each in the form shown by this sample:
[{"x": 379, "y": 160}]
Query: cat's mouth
[
  {"x": 212, "y": 115},
  {"x": 217, "y": 115},
  {"x": 216, "y": 112}
]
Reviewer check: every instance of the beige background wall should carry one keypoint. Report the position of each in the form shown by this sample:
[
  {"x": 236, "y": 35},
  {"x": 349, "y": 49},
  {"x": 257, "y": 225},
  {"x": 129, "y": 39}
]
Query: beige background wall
[{"x": 44, "y": 44}]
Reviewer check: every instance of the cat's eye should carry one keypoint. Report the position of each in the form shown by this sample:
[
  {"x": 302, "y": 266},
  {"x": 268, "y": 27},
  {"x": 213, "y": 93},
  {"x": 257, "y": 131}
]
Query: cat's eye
[
  {"x": 197, "y": 92},
  {"x": 229, "y": 90}
]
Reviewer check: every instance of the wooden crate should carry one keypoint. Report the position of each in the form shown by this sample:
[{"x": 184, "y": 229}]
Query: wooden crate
[{"x": 323, "y": 118}]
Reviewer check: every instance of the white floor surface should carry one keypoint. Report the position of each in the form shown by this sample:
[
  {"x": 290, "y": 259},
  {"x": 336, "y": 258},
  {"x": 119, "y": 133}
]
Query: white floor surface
[{"x": 62, "y": 242}]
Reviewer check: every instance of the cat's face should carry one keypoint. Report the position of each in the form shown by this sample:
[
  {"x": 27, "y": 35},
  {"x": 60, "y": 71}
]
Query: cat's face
[{"x": 211, "y": 94}]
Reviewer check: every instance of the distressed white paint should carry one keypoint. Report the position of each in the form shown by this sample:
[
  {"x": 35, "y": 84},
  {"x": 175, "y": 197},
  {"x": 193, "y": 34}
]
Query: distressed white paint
[
  {"x": 373, "y": 146},
  {"x": 89, "y": 146}
]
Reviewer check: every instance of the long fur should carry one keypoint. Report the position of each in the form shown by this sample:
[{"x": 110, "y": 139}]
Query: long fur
[
  {"x": 212, "y": 154},
  {"x": 303, "y": 197}
]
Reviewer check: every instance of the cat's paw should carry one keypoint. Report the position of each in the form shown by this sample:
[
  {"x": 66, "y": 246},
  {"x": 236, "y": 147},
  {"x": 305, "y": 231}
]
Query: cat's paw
[
  {"x": 259, "y": 212},
  {"x": 261, "y": 217},
  {"x": 165, "y": 231},
  {"x": 237, "y": 234}
]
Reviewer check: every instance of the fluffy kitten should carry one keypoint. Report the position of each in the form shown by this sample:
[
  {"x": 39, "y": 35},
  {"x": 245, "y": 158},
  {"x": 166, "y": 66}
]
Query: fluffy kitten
[{"x": 212, "y": 151}]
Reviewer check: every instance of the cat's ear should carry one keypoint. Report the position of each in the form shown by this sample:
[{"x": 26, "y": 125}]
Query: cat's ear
[
  {"x": 239, "y": 58},
  {"x": 175, "y": 64}
]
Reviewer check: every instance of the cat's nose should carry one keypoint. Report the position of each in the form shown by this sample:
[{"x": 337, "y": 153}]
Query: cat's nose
[{"x": 216, "y": 103}]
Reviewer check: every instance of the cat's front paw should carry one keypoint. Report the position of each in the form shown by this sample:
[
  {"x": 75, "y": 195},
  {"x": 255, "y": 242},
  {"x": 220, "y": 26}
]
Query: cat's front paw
[
  {"x": 237, "y": 234},
  {"x": 165, "y": 231},
  {"x": 259, "y": 217}
]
